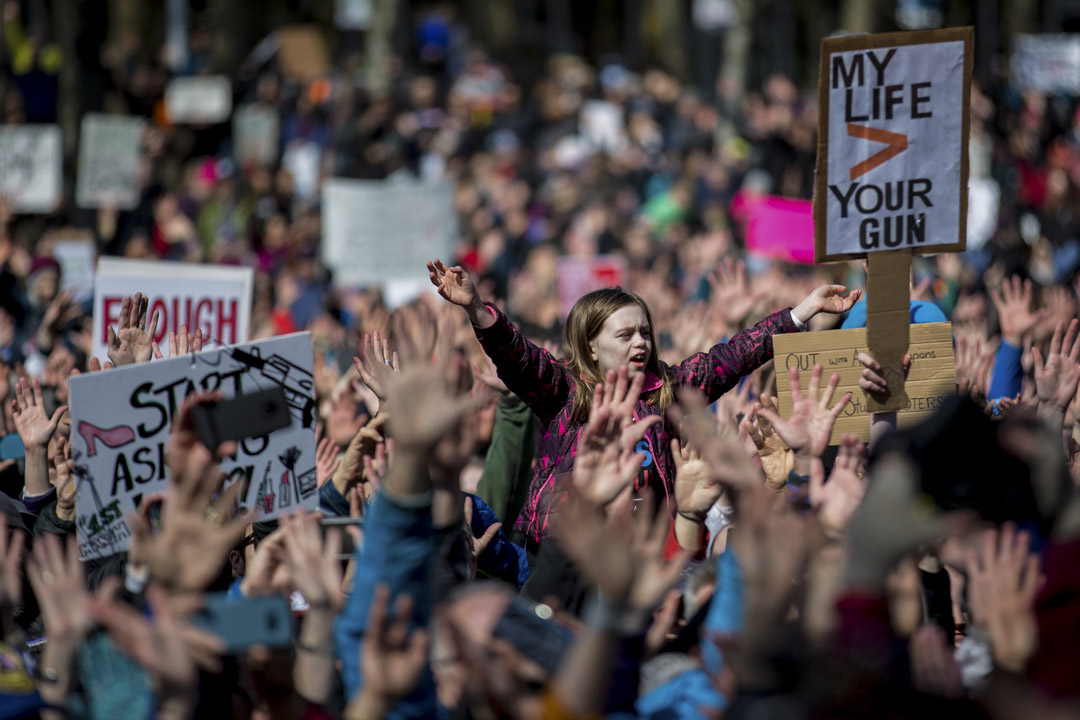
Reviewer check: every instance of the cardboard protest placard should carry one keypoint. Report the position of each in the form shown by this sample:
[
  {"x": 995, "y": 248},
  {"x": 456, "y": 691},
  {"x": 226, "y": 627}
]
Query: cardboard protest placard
[
  {"x": 893, "y": 143},
  {"x": 77, "y": 255},
  {"x": 31, "y": 163},
  {"x": 110, "y": 147},
  {"x": 931, "y": 380},
  {"x": 216, "y": 299},
  {"x": 1046, "y": 63},
  {"x": 377, "y": 232},
  {"x": 255, "y": 135},
  {"x": 121, "y": 420},
  {"x": 302, "y": 52},
  {"x": 781, "y": 228},
  {"x": 199, "y": 100},
  {"x": 576, "y": 276}
]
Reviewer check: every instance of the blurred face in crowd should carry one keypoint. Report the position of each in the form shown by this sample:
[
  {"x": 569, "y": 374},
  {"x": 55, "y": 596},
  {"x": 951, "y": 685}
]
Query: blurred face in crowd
[{"x": 625, "y": 339}]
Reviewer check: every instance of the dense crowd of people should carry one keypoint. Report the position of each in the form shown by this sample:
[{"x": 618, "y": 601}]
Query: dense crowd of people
[{"x": 603, "y": 514}]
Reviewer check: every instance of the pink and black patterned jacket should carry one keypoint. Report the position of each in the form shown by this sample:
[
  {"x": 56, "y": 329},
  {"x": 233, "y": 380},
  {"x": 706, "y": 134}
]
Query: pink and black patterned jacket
[{"x": 547, "y": 387}]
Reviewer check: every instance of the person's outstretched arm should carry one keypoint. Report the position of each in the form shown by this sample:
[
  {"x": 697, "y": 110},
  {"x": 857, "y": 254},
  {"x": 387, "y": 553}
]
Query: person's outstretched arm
[
  {"x": 530, "y": 372},
  {"x": 718, "y": 370}
]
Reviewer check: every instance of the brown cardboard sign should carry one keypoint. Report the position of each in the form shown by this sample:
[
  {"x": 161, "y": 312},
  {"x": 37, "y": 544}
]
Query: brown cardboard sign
[
  {"x": 888, "y": 319},
  {"x": 932, "y": 378},
  {"x": 892, "y": 161},
  {"x": 302, "y": 52}
]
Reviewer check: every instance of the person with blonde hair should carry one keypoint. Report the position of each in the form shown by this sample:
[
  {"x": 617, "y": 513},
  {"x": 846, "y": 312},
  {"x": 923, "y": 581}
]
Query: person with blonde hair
[{"x": 607, "y": 330}]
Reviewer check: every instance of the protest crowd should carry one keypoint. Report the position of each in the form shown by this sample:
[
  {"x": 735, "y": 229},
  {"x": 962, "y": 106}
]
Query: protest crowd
[{"x": 531, "y": 497}]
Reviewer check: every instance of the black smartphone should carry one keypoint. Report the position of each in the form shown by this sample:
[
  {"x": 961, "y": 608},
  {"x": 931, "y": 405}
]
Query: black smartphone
[
  {"x": 531, "y": 629},
  {"x": 263, "y": 620},
  {"x": 251, "y": 415}
]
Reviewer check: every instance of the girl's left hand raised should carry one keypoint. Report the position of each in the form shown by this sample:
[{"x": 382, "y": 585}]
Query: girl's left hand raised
[{"x": 828, "y": 299}]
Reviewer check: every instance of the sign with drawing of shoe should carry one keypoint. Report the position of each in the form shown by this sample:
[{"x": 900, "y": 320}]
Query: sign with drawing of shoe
[{"x": 121, "y": 420}]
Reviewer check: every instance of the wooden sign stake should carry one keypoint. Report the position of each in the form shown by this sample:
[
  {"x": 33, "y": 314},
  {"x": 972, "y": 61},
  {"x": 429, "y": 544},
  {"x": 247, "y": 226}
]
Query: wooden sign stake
[{"x": 888, "y": 322}]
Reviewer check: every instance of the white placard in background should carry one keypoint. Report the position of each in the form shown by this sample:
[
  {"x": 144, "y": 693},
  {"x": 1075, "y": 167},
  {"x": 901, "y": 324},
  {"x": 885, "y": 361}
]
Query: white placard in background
[
  {"x": 110, "y": 148},
  {"x": 215, "y": 298},
  {"x": 31, "y": 163},
  {"x": 198, "y": 100}
]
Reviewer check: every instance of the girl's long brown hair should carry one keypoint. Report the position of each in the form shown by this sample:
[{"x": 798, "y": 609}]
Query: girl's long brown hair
[{"x": 586, "y": 319}]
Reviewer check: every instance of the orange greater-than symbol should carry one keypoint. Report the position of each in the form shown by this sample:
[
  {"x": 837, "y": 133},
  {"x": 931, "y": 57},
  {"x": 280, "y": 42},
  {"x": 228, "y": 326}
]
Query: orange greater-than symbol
[{"x": 897, "y": 144}]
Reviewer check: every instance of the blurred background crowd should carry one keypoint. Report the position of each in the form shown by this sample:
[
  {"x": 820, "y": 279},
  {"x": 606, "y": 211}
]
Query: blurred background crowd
[{"x": 646, "y": 130}]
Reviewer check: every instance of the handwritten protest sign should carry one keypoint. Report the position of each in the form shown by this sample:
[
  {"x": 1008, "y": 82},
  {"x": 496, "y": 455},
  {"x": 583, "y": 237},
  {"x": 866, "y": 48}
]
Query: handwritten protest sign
[
  {"x": 1048, "y": 63},
  {"x": 932, "y": 378},
  {"x": 121, "y": 419},
  {"x": 110, "y": 147},
  {"x": 377, "y": 232},
  {"x": 781, "y": 228},
  {"x": 199, "y": 100},
  {"x": 577, "y": 276},
  {"x": 216, "y": 299},
  {"x": 892, "y": 149},
  {"x": 31, "y": 162},
  {"x": 255, "y": 135}
]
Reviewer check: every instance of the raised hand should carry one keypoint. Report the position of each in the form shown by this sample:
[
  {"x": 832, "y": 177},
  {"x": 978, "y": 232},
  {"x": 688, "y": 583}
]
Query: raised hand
[
  {"x": 312, "y": 564},
  {"x": 326, "y": 461},
  {"x": 182, "y": 343},
  {"x": 59, "y": 583},
  {"x": 731, "y": 294},
  {"x": 1057, "y": 376},
  {"x": 480, "y": 544},
  {"x": 377, "y": 366},
  {"x": 426, "y": 407},
  {"x": 810, "y": 425},
  {"x": 696, "y": 490},
  {"x": 61, "y": 311},
  {"x": 606, "y": 461},
  {"x": 871, "y": 380},
  {"x": 827, "y": 299},
  {"x": 454, "y": 283},
  {"x": 1013, "y": 304},
  {"x": 171, "y": 650},
  {"x": 1003, "y": 581},
  {"x": 973, "y": 367},
  {"x": 777, "y": 459},
  {"x": 392, "y": 657},
  {"x": 836, "y": 501},
  {"x": 934, "y": 670},
  {"x": 34, "y": 426},
  {"x": 132, "y": 342}
]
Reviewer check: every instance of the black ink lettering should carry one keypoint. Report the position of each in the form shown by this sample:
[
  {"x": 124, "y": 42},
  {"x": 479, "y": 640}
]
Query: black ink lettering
[
  {"x": 879, "y": 65},
  {"x": 917, "y": 99},
  {"x": 844, "y": 73},
  {"x": 844, "y": 198},
  {"x": 138, "y": 401}
]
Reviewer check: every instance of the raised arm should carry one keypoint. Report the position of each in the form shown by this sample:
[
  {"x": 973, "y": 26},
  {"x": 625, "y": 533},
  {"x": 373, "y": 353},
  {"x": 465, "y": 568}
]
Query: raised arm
[
  {"x": 530, "y": 372},
  {"x": 718, "y": 370}
]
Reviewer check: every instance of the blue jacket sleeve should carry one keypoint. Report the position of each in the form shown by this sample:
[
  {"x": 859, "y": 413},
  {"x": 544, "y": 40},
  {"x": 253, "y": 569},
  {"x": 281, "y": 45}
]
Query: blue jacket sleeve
[
  {"x": 683, "y": 696},
  {"x": 332, "y": 502},
  {"x": 1008, "y": 372},
  {"x": 502, "y": 559},
  {"x": 398, "y": 543},
  {"x": 725, "y": 612}
]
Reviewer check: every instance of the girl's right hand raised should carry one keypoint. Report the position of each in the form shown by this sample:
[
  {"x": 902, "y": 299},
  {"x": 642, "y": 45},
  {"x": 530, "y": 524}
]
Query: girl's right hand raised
[{"x": 455, "y": 285}]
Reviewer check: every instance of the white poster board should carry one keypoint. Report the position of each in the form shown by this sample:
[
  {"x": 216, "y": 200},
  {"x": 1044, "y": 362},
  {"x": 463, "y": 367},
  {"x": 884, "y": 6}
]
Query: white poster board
[
  {"x": 31, "y": 163},
  {"x": 353, "y": 14},
  {"x": 110, "y": 147},
  {"x": 892, "y": 156},
  {"x": 199, "y": 100},
  {"x": 376, "y": 232},
  {"x": 77, "y": 256},
  {"x": 255, "y": 135},
  {"x": 121, "y": 419},
  {"x": 1046, "y": 63},
  {"x": 215, "y": 298}
]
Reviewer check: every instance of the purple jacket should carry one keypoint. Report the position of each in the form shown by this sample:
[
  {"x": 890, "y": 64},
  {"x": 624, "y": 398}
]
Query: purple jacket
[{"x": 547, "y": 387}]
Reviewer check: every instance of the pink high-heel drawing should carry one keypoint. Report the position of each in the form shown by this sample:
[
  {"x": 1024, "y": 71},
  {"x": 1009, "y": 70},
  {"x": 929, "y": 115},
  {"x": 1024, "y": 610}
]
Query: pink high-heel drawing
[{"x": 112, "y": 437}]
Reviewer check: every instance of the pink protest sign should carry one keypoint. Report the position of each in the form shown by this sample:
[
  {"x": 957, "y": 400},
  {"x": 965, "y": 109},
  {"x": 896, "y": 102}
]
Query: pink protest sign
[
  {"x": 781, "y": 228},
  {"x": 578, "y": 276}
]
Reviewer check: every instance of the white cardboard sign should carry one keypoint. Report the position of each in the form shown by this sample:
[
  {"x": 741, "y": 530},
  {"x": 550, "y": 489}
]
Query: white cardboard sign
[
  {"x": 121, "y": 420},
  {"x": 895, "y": 120},
  {"x": 109, "y": 151},
  {"x": 377, "y": 232},
  {"x": 31, "y": 162},
  {"x": 216, "y": 299},
  {"x": 1046, "y": 63},
  {"x": 198, "y": 100}
]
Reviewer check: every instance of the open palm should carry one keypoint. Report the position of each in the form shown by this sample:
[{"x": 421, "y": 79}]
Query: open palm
[
  {"x": 453, "y": 283},
  {"x": 810, "y": 424}
]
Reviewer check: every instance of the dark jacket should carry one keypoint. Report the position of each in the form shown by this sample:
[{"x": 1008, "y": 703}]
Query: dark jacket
[{"x": 546, "y": 385}]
